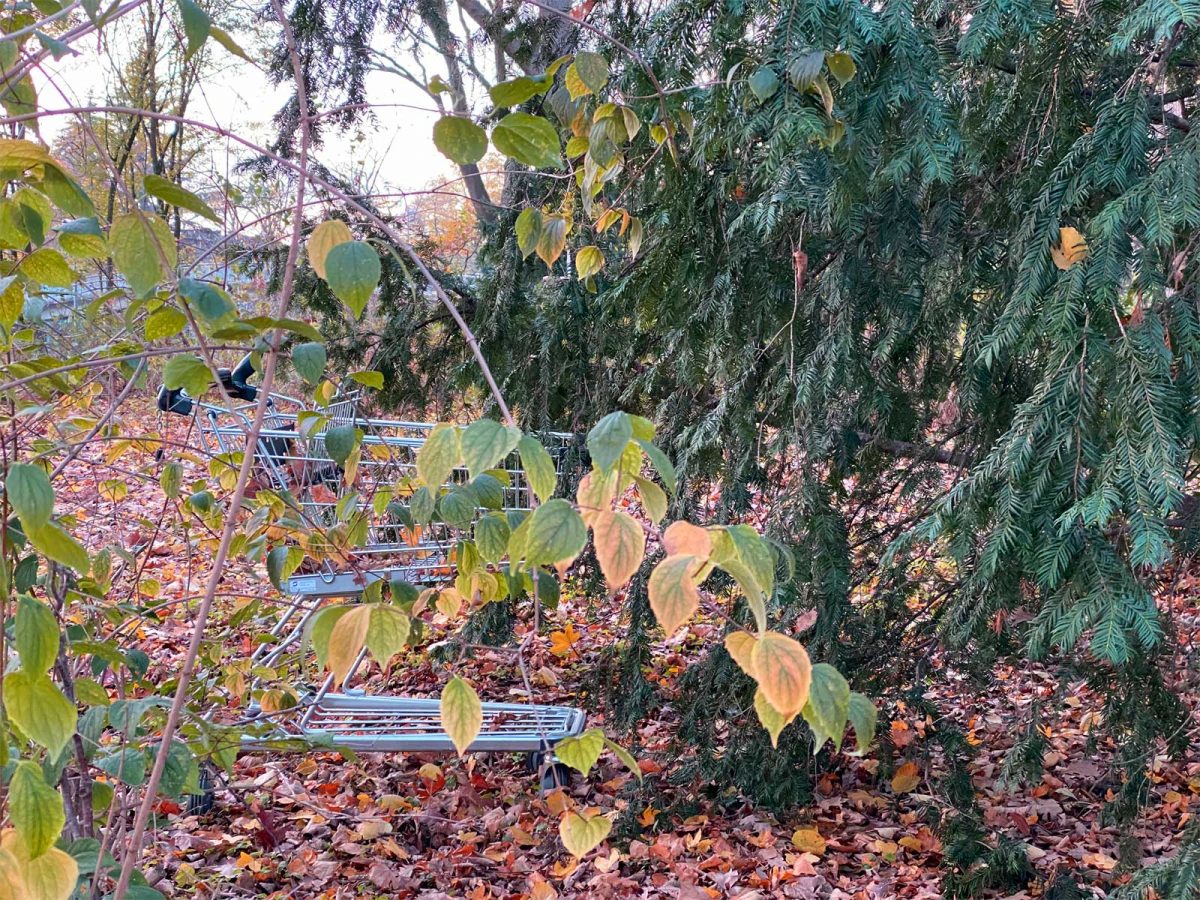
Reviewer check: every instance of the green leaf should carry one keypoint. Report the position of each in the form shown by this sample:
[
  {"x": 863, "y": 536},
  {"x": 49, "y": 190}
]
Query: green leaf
[
  {"x": 47, "y": 266},
  {"x": 353, "y": 271},
  {"x": 755, "y": 598},
  {"x": 459, "y": 139},
  {"x": 164, "y": 323},
  {"x": 804, "y": 69},
  {"x": 488, "y": 491},
  {"x": 862, "y": 714},
  {"x": 588, "y": 261},
  {"x": 196, "y": 25},
  {"x": 206, "y": 299},
  {"x": 143, "y": 250},
  {"x": 309, "y": 361},
  {"x": 458, "y": 507},
  {"x": 187, "y": 372},
  {"x": 59, "y": 546},
  {"x": 12, "y": 300},
  {"x": 37, "y": 635},
  {"x": 516, "y": 91},
  {"x": 486, "y": 443},
  {"x": 387, "y": 632},
  {"x": 341, "y": 441},
  {"x": 39, "y": 709},
  {"x": 439, "y": 455},
  {"x": 223, "y": 38},
  {"x": 552, "y": 239},
  {"x": 653, "y": 498},
  {"x": 281, "y": 563},
  {"x": 171, "y": 479},
  {"x": 461, "y": 713},
  {"x": 20, "y": 98},
  {"x": 528, "y": 139},
  {"x": 529, "y": 230},
  {"x": 368, "y": 379},
  {"x": 662, "y": 465},
  {"x": 608, "y": 439},
  {"x": 36, "y": 809},
  {"x": 491, "y": 537},
  {"x": 29, "y": 492},
  {"x": 625, "y": 757},
  {"x": 83, "y": 238},
  {"x": 56, "y": 48},
  {"x": 556, "y": 534},
  {"x": 581, "y": 752},
  {"x": 66, "y": 193},
  {"x": 127, "y": 764},
  {"x": 592, "y": 70},
  {"x": 538, "y": 466},
  {"x": 324, "y": 238},
  {"x": 841, "y": 66},
  {"x": 764, "y": 83},
  {"x": 771, "y": 718},
  {"x": 174, "y": 195},
  {"x": 828, "y": 705}
]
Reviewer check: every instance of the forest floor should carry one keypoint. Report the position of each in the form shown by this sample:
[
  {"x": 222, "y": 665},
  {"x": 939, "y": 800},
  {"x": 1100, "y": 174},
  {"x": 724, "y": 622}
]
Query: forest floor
[{"x": 430, "y": 826}]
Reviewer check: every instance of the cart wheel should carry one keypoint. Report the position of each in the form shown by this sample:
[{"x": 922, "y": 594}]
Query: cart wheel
[
  {"x": 198, "y": 804},
  {"x": 556, "y": 775}
]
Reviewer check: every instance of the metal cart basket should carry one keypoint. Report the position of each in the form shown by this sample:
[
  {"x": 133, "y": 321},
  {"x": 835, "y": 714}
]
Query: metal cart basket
[{"x": 287, "y": 459}]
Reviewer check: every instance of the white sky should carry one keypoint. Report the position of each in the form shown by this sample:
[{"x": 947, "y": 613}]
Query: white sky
[{"x": 238, "y": 96}]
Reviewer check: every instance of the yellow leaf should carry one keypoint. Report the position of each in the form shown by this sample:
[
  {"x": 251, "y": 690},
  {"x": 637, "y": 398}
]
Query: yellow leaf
[
  {"x": 324, "y": 238},
  {"x": 581, "y": 833},
  {"x": 347, "y": 640},
  {"x": 808, "y": 840},
  {"x": 1072, "y": 248},
  {"x": 783, "y": 671},
  {"x": 595, "y": 494},
  {"x": 740, "y": 645},
  {"x": 673, "y": 595},
  {"x": 907, "y": 777},
  {"x": 12, "y": 881},
  {"x": 561, "y": 642},
  {"x": 620, "y": 546},
  {"x": 462, "y": 713},
  {"x": 51, "y": 876},
  {"x": 588, "y": 261},
  {"x": 449, "y": 602},
  {"x": 684, "y": 537}
]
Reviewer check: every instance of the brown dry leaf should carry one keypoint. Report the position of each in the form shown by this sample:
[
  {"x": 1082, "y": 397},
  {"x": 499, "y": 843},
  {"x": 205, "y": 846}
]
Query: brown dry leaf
[
  {"x": 1099, "y": 861},
  {"x": 907, "y": 777}
]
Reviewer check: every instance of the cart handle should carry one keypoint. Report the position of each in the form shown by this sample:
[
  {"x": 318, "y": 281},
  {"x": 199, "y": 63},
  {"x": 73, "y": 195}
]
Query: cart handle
[{"x": 176, "y": 400}]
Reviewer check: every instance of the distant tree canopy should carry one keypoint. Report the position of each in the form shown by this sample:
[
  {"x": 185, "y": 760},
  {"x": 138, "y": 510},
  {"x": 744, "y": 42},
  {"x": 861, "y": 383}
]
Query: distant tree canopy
[{"x": 921, "y": 276}]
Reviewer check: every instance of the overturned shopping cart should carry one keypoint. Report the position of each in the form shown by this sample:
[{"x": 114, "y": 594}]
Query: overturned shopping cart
[{"x": 292, "y": 457}]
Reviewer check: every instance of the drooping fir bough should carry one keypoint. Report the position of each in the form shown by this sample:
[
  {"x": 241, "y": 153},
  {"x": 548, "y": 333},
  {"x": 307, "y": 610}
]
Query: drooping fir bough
[
  {"x": 94, "y": 735},
  {"x": 918, "y": 278}
]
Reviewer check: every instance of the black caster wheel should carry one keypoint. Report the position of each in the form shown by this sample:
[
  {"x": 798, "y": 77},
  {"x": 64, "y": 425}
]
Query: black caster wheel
[
  {"x": 556, "y": 775},
  {"x": 198, "y": 804}
]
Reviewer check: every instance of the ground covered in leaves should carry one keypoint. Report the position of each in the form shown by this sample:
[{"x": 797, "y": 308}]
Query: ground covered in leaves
[{"x": 427, "y": 825}]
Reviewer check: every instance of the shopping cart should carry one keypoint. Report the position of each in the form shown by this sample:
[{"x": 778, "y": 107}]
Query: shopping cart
[{"x": 292, "y": 459}]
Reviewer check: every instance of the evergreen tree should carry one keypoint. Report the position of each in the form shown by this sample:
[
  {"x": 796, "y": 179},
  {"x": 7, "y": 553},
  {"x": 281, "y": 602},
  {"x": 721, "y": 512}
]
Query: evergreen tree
[{"x": 937, "y": 259}]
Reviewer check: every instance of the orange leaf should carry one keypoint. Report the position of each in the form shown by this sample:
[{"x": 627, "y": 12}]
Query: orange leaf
[
  {"x": 682, "y": 538},
  {"x": 907, "y": 777}
]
